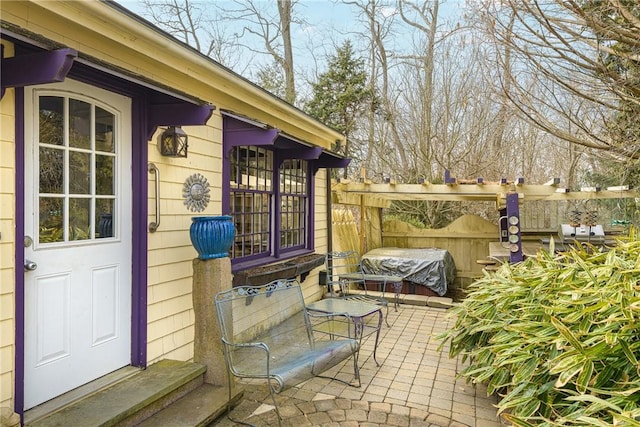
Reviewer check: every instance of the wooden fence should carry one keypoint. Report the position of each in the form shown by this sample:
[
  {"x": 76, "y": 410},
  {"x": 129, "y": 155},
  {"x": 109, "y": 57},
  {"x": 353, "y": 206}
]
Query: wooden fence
[{"x": 467, "y": 239}]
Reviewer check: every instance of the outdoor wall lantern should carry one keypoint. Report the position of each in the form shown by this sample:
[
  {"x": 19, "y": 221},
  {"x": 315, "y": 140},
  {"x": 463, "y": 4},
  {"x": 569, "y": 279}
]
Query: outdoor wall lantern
[{"x": 173, "y": 142}]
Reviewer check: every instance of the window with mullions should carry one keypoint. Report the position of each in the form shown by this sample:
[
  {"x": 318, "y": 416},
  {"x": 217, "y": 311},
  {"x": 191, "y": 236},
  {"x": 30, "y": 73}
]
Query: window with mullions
[
  {"x": 77, "y": 155},
  {"x": 293, "y": 203},
  {"x": 251, "y": 192},
  {"x": 254, "y": 188}
]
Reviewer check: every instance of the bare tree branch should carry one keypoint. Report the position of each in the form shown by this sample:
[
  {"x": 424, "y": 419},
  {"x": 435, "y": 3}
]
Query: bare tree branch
[{"x": 583, "y": 57}]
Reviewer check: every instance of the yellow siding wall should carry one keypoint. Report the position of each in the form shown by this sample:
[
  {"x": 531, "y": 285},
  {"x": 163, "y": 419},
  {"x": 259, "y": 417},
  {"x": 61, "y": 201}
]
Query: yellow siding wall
[
  {"x": 170, "y": 316},
  {"x": 7, "y": 242},
  {"x": 321, "y": 212},
  {"x": 310, "y": 288}
]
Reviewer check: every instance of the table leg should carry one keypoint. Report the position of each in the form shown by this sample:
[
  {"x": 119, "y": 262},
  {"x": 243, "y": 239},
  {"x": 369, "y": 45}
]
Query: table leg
[
  {"x": 358, "y": 329},
  {"x": 358, "y": 326},
  {"x": 397, "y": 288},
  {"x": 375, "y": 345}
]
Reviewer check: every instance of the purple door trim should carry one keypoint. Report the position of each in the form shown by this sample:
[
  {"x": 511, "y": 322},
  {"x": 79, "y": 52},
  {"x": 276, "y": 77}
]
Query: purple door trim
[
  {"x": 139, "y": 243},
  {"x": 19, "y": 254},
  {"x": 139, "y": 233}
]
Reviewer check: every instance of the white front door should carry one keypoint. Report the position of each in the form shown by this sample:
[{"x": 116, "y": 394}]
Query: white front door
[{"x": 78, "y": 237}]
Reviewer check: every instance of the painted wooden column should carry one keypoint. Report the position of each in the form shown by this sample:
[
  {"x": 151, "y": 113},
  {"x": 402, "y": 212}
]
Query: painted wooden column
[
  {"x": 209, "y": 277},
  {"x": 514, "y": 228}
]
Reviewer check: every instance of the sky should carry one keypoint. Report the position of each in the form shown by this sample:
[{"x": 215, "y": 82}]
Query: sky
[
  {"x": 328, "y": 23},
  {"x": 325, "y": 19}
]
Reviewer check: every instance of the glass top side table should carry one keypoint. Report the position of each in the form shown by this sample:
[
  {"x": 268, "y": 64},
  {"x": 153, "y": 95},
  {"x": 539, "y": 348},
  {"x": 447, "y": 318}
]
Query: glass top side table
[{"x": 358, "y": 311}]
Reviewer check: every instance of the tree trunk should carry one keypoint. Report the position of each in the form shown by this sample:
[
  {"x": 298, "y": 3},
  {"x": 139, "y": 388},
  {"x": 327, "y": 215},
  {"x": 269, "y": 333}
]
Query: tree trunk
[{"x": 284, "y": 9}]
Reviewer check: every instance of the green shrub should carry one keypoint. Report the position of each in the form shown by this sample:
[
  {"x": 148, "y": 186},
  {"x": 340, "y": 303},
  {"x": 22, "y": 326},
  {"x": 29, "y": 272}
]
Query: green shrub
[
  {"x": 557, "y": 337},
  {"x": 406, "y": 217}
]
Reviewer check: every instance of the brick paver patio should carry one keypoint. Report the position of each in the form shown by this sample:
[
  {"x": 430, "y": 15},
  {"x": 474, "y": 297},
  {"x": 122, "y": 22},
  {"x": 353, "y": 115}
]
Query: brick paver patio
[{"x": 415, "y": 385}]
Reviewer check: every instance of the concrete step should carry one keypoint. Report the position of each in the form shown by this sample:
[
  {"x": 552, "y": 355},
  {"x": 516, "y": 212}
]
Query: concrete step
[
  {"x": 141, "y": 396},
  {"x": 199, "y": 408}
]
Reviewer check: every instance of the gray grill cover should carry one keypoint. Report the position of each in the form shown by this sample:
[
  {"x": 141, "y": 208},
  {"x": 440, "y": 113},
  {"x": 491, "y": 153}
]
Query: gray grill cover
[{"x": 430, "y": 267}]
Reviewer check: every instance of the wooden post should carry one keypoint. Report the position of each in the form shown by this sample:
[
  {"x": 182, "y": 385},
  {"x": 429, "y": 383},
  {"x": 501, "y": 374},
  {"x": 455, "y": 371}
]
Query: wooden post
[{"x": 363, "y": 243}]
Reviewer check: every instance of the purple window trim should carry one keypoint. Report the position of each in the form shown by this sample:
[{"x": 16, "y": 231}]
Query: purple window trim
[
  {"x": 274, "y": 234},
  {"x": 250, "y": 263},
  {"x": 311, "y": 191},
  {"x": 236, "y": 132},
  {"x": 240, "y": 131}
]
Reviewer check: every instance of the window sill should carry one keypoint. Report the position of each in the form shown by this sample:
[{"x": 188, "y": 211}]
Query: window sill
[{"x": 289, "y": 269}]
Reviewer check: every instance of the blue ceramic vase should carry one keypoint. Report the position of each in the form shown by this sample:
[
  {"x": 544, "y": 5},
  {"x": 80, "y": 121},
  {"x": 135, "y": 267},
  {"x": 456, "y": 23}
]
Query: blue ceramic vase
[{"x": 212, "y": 236}]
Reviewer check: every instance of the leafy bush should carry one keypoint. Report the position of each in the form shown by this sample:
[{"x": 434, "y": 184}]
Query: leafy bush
[
  {"x": 406, "y": 217},
  {"x": 557, "y": 337}
]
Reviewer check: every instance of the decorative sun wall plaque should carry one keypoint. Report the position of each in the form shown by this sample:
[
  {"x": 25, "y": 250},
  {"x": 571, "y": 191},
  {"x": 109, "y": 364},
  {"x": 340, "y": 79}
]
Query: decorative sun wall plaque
[{"x": 196, "y": 192}]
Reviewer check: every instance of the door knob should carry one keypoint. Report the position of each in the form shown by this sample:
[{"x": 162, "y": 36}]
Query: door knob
[{"x": 29, "y": 265}]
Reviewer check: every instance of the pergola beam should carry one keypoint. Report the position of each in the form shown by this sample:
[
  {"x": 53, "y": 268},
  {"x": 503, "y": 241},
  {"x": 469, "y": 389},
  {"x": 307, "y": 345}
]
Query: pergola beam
[
  {"x": 370, "y": 201},
  {"x": 472, "y": 192}
]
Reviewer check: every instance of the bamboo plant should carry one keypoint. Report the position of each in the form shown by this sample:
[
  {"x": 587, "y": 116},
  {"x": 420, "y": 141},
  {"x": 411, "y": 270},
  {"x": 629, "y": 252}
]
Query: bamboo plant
[{"x": 557, "y": 337}]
